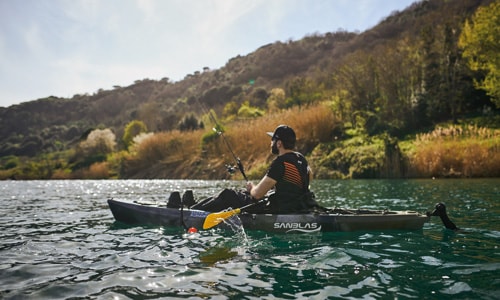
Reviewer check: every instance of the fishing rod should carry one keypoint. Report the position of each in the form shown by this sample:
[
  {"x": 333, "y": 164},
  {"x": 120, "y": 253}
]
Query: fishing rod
[{"x": 218, "y": 130}]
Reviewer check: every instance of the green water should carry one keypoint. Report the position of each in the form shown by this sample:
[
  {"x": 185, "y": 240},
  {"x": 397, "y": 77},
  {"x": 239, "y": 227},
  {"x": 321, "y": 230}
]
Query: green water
[{"x": 59, "y": 241}]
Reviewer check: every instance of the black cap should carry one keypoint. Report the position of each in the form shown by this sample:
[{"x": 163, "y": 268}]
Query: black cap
[{"x": 284, "y": 133}]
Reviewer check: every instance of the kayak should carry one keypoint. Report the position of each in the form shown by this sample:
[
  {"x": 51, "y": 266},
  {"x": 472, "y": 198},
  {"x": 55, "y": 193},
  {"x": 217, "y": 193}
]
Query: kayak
[{"x": 332, "y": 220}]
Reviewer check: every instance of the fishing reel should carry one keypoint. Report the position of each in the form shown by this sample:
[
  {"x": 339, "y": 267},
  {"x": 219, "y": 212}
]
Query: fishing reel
[{"x": 231, "y": 169}]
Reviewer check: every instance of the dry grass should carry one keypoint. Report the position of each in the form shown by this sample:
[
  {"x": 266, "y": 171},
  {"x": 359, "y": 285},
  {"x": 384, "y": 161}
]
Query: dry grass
[
  {"x": 6, "y": 174},
  {"x": 99, "y": 170},
  {"x": 246, "y": 138},
  {"x": 250, "y": 142},
  {"x": 167, "y": 146},
  {"x": 455, "y": 132},
  {"x": 163, "y": 155},
  {"x": 62, "y": 174},
  {"x": 457, "y": 152},
  {"x": 312, "y": 125}
]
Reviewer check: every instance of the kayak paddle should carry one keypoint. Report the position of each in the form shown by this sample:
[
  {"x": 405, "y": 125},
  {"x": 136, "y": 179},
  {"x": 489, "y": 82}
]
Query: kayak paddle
[{"x": 216, "y": 218}]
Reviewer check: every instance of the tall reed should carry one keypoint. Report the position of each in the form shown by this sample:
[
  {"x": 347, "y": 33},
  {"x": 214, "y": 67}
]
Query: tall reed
[
  {"x": 312, "y": 125},
  {"x": 457, "y": 151},
  {"x": 167, "y": 146}
]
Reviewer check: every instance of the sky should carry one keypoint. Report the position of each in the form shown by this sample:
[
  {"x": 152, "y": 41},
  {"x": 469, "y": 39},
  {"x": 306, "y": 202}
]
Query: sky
[{"x": 66, "y": 47}]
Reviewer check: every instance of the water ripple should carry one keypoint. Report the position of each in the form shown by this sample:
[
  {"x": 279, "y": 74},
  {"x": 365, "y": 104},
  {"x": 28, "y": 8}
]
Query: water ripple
[{"x": 60, "y": 241}]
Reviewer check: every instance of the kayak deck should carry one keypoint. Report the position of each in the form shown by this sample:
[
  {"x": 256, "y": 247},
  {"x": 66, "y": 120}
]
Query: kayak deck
[{"x": 333, "y": 221}]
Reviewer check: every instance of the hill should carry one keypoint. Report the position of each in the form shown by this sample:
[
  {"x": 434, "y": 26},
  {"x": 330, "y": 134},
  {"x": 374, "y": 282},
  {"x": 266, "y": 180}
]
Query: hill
[{"x": 402, "y": 76}]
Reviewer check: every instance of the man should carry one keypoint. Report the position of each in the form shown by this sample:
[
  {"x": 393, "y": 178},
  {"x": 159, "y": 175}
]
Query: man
[{"x": 289, "y": 174}]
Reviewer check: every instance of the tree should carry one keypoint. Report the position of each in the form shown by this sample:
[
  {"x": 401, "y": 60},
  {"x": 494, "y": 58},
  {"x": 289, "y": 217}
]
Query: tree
[
  {"x": 301, "y": 91},
  {"x": 358, "y": 81},
  {"x": 230, "y": 109},
  {"x": 430, "y": 106},
  {"x": 248, "y": 111},
  {"x": 99, "y": 141},
  {"x": 480, "y": 41},
  {"x": 396, "y": 82},
  {"x": 189, "y": 122},
  {"x": 259, "y": 97},
  {"x": 276, "y": 100},
  {"x": 132, "y": 129},
  {"x": 149, "y": 113}
]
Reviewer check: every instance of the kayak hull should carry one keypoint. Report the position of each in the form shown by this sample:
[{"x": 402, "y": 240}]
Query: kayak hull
[{"x": 336, "y": 221}]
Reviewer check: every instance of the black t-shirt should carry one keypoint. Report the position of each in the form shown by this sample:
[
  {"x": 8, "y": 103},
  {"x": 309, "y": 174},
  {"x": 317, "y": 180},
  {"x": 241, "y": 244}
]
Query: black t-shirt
[{"x": 291, "y": 172}]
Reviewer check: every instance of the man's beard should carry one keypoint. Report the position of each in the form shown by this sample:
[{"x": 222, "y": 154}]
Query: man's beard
[{"x": 274, "y": 149}]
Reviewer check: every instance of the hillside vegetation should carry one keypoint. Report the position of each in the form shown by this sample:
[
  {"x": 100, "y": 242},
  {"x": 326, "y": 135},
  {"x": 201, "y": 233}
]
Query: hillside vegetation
[{"x": 415, "y": 96}]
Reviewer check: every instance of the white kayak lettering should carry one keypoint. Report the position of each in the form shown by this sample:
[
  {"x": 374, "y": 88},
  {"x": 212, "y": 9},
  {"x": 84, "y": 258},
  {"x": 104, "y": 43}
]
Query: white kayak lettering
[{"x": 295, "y": 225}]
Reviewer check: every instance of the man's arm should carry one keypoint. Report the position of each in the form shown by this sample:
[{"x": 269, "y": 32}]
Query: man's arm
[{"x": 259, "y": 191}]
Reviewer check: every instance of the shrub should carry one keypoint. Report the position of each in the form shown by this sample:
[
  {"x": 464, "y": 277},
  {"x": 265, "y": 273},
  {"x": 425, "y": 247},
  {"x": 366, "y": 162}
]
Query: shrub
[
  {"x": 7, "y": 174},
  {"x": 62, "y": 174},
  {"x": 87, "y": 161},
  {"x": 97, "y": 171},
  {"x": 247, "y": 111},
  {"x": 9, "y": 162},
  {"x": 189, "y": 122},
  {"x": 132, "y": 129},
  {"x": 356, "y": 158},
  {"x": 99, "y": 141}
]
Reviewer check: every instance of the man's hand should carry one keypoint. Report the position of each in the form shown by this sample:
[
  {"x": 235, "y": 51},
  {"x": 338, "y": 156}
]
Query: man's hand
[{"x": 249, "y": 187}]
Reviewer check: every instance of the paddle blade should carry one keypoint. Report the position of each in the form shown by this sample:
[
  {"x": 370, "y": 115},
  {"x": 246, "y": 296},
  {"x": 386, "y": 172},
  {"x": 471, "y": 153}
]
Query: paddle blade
[{"x": 215, "y": 219}]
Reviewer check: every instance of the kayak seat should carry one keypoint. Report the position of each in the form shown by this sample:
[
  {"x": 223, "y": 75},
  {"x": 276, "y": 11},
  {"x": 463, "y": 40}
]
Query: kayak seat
[
  {"x": 188, "y": 198},
  {"x": 174, "y": 200}
]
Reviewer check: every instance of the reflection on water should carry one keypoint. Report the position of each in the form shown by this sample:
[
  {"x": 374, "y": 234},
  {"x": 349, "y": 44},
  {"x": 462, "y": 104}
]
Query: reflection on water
[
  {"x": 217, "y": 254},
  {"x": 59, "y": 240}
]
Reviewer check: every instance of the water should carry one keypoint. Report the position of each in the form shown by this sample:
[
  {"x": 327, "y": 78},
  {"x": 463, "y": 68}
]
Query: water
[{"x": 59, "y": 241}]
